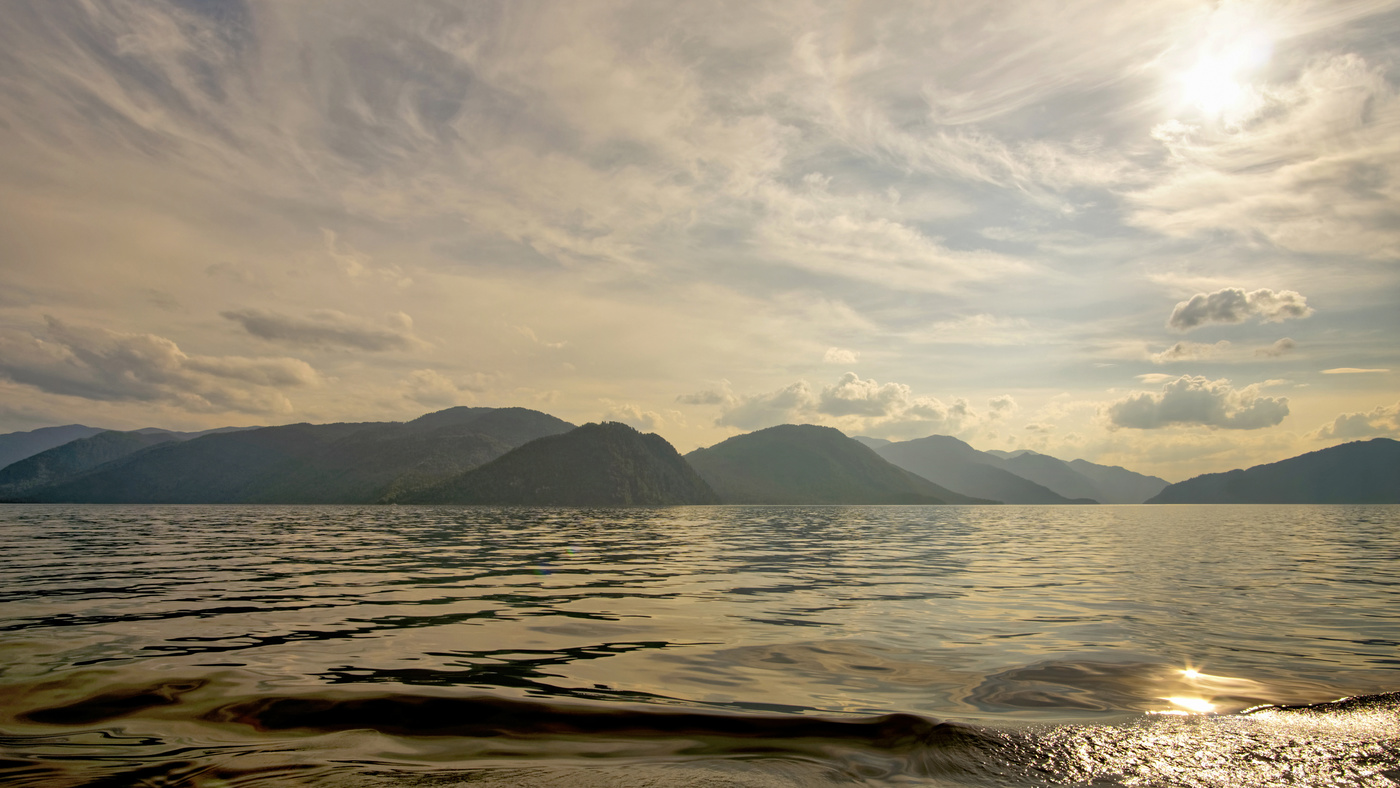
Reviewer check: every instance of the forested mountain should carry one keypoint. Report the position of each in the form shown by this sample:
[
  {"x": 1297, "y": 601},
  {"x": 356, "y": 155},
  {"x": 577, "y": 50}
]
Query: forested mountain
[
  {"x": 806, "y": 464},
  {"x": 307, "y": 463},
  {"x": 64, "y": 463},
  {"x": 15, "y": 446},
  {"x": 1357, "y": 472},
  {"x": 606, "y": 464}
]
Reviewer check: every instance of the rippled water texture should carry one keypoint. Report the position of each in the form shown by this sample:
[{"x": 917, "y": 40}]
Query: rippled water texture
[{"x": 699, "y": 646}]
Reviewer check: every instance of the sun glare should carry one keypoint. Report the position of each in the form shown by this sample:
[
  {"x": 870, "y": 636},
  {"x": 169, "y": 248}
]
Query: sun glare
[{"x": 1219, "y": 83}]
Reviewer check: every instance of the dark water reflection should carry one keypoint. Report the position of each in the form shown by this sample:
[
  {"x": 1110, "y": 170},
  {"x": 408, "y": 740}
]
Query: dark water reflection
[{"x": 719, "y": 645}]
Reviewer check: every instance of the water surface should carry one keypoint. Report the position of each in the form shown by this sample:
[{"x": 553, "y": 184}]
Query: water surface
[{"x": 710, "y": 645}]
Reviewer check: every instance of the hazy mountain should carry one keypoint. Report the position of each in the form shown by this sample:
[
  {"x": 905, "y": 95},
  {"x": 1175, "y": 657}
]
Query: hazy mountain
[
  {"x": 15, "y": 446},
  {"x": 874, "y": 443},
  {"x": 1119, "y": 485},
  {"x": 308, "y": 463},
  {"x": 73, "y": 458},
  {"x": 949, "y": 462},
  {"x": 1054, "y": 474},
  {"x": 1357, "y": 472},
  {"x": 805, "y": 464},
  {"x": 607, "y": 464}
]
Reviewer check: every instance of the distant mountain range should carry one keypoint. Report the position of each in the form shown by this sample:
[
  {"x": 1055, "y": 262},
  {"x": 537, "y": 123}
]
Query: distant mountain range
[
  {"x": 805, "y": 464},
  {"x": 516, "y": 456},
  {"x": 1022, "y": 477},
  {"x": 1357, "y": 472}
]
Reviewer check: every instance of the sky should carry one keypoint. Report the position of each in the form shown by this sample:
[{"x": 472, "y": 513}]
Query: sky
[{"x": 1162, "y": 234}]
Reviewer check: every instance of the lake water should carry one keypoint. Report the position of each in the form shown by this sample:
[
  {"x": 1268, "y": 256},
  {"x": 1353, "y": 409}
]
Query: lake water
[{"x": 705, "y": 646}]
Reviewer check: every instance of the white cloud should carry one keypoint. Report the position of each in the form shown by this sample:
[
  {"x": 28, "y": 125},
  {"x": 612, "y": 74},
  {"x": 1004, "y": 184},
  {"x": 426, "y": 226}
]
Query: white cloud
[
  {"x": 1234, "y": 305},
  {"x": 1198, "y": 400},
  {"x": 108, "y": 366},
  {"x": 1298, "y": 169},
  {"x": 1381, "y": 421},
  {"x": 836, "y": 355},
  {"x": 1352, "y": 371},
  {"x": 852, "y": 404},
  {"x": 635, "y": 416}
]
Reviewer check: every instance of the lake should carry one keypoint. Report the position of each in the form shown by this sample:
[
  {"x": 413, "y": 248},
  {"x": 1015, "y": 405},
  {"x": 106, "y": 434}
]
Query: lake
[{"x": 707, "y": 646}]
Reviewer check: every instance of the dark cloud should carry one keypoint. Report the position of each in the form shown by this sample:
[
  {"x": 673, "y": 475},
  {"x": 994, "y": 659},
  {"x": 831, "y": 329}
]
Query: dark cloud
[
  {"x": 103, "y": 365},
  {"x": 1234, "y": 305},
  {"x": 326, "y": 328},
  {"x": 1197, "y": 400}
]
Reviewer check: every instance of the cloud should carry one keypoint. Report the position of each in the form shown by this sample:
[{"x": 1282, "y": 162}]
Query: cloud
[
  {"x": 1381, "y": 421},
  {"x": 1351, "y": 371},
  {"x": 328, "y": 329},
  {"x": 1297, "y": 169},
  {"x": 1234, "y": 305},
  {"x": 1002, "y": 405},
  {"x": 432, "y": 388},
  {"x": 836, "y": 355},
  {"x": 108, "y": 366},
  {"x": 853, "y": 404},
  {"x": 635, "y": 416},
  {"x": 1280, "y": 348},
  {"x": 1188, "y": 351},
  {"x": 1197, "y": 400}
]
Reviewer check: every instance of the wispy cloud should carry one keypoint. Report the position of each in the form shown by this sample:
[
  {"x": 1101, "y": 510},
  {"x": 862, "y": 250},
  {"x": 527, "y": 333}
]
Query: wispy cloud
[{"x": 328, "y": 329}]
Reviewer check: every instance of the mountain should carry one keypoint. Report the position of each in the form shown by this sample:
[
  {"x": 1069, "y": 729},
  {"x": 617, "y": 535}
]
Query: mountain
[
  {"x": 15, "y": 446},
  {"x": 607, "y": 464},
  {"x": 1357, "y": 472},
  {"x": 806, "y": 464},
  {"x": 1054, "y": 474},
  {"x": 953, "y": 464},
  {"x": 1119, "y": 485},
  {"x": 307, "y": 463},
  {"x": 62, "y": 463}
]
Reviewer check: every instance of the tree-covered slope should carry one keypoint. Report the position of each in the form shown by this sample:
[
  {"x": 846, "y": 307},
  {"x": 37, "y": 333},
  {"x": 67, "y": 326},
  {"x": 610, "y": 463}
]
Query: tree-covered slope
[
  {"x": 607, "y": 464},
  {"x": 307, "y": 463},
  {"x": 806, "y": 464},
  {"x": 62, "y": 463},
  {"x": 15, "y": 446},
  {"x": 1357, "y": 472}
]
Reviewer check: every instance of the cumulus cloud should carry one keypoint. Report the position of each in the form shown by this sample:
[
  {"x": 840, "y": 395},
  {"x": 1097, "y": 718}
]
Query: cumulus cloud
[
  {"x": 1198, "y": 400},
  {"x": 836, "y": 355},
  {"x": 103, "y": 365},
  {"x": 1383, "y": 421},
  {"x": 328, "y": 329},
  {"x": 635, "y": 416},
  {"x": 1280, "y": 348},
  {"x": 854, "y": 404},
  {"x": 1188, "y": 351},
  {"x": 1234, "y": 305}
]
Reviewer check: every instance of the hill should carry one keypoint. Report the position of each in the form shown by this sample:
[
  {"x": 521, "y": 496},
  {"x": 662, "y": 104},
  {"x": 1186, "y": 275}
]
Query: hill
[
  {"x": 307, "y": 463},
  {"x": 806, "y": 464},
  {"x": 607, "y": 464},
  {"x": 15, "y": 446},
  {"x": 1357, "y": 472},
  {"x": 953, "y": 464},
  {"x": 63, "y": 463}
]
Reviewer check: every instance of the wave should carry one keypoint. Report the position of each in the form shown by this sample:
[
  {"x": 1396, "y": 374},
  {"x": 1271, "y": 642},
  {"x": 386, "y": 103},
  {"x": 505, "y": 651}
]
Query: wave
[{"x": 195, "y": 733}]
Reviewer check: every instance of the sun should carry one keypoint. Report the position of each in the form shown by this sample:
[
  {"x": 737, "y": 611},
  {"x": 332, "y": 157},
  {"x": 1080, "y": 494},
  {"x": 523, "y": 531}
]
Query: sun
[{"x": 1219, "y": 84}]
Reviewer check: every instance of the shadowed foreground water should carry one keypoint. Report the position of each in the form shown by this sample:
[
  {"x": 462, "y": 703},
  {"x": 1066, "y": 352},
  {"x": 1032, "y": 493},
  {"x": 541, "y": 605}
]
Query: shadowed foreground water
[{"x": 712, "y": 646}]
